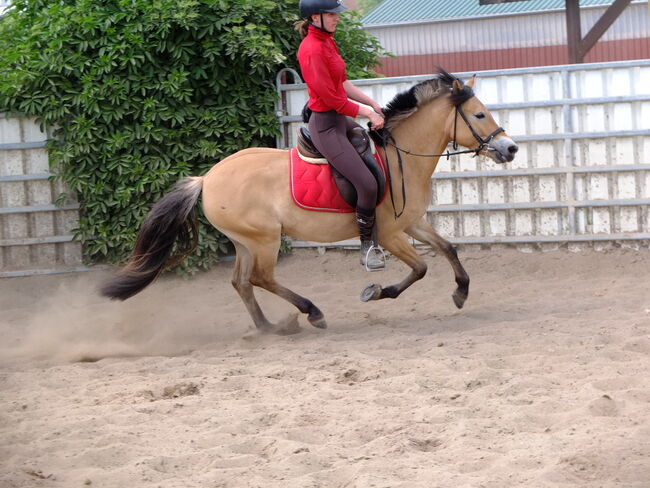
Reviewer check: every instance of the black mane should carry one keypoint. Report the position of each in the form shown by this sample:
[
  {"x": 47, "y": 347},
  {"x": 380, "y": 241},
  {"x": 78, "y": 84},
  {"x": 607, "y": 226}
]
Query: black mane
[{"x": 405, "y": 103}]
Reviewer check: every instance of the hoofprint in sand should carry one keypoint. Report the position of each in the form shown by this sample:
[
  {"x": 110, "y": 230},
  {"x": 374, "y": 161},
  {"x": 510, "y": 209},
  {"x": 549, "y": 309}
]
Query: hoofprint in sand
[{"x": 542, "y": 380}]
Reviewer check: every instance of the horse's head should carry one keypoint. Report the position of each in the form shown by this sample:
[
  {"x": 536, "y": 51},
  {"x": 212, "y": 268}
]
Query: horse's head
[
  {"x": 445, "y": 109},
  {"x": 471, "y": 124}
]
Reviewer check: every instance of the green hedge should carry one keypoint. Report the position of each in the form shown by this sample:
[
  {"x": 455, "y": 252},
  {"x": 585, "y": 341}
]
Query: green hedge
[{"x": 140, "y": 93}]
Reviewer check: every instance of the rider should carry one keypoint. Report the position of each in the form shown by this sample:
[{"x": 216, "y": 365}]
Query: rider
[{"x": 329, "y": 91}]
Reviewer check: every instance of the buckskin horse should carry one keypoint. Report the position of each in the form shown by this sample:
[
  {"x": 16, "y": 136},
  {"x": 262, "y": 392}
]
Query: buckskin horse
[{"x": 246, "y": 196}]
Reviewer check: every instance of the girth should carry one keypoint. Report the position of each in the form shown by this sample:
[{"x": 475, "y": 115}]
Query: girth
[{"x": 361, "y": 142}]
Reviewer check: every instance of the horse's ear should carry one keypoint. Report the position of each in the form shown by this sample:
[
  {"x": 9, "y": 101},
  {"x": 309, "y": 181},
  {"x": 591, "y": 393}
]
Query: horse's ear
[
  {"x": 471, "y": 82},
  {"x": 457, "y": 86}
]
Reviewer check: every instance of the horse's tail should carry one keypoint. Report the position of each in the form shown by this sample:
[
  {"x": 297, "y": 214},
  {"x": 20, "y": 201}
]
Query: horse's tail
[{"x": 171, "y": 222}]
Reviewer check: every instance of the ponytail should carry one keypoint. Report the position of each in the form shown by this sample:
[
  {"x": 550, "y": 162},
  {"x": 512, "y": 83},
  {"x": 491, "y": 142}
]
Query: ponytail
[{"x": 302, "y": 26}]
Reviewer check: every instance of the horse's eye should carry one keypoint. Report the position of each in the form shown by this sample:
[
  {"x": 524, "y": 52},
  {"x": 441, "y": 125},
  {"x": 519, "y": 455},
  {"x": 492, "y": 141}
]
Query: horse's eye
[{"x": 479, "y": 115}]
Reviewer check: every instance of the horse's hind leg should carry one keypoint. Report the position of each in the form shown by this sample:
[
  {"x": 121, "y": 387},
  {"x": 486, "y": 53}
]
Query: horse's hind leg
[
  {"x": 423, "y": 231},
  {"x": 241, "y": 282},
  {"x": 265, "y": 259},
  {"x": 254, "y": 266}
]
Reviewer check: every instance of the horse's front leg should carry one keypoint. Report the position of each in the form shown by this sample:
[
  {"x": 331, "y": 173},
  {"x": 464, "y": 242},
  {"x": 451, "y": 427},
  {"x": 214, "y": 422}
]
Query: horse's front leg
[
  {"x": 423, "y": 232},
  {"x": 399, "y": 246}
]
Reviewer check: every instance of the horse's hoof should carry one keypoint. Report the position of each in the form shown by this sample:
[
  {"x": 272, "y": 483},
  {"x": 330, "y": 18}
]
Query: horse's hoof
[
  {"x": 459, "y": 300},
  {"x": 370, "y": 292},
  {"x": 317, "y": 320}
]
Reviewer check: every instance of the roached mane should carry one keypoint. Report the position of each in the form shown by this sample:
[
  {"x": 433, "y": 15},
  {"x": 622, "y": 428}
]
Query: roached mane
[{"x": 406, "y": 103}]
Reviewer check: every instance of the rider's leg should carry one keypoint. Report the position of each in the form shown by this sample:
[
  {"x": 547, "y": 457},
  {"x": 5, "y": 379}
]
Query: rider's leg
[
  {"x": 366, "y": 221},
  {"x": 329, "y": 134},
  {"x": 369, "y": 257}
]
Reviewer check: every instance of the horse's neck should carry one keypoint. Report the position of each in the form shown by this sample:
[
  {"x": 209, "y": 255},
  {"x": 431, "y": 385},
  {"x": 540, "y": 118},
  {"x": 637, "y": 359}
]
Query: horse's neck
[{"x": 423, "y": 133}]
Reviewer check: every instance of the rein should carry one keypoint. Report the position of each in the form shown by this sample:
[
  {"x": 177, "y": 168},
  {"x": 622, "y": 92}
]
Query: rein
[{"x": 387, "y": 139}]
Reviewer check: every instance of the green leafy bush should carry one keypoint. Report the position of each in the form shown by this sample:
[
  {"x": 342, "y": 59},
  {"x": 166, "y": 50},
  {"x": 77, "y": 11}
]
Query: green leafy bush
[{"x": 139, "y": 93}]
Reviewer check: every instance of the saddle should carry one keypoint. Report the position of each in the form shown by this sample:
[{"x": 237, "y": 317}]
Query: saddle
[{"x": 364, "y": 146}]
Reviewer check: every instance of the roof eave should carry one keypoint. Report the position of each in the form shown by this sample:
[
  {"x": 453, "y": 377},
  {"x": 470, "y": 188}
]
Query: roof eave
[{"x": 486, "y": 16}]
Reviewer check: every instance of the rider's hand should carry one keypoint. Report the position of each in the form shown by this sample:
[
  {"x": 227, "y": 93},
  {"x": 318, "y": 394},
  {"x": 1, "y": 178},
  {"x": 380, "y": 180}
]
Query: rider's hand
[{"x": 376, "y": 120}]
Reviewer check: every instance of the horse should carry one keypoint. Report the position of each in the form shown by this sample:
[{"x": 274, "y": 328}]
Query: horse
[{"x": 246, "y": 196}]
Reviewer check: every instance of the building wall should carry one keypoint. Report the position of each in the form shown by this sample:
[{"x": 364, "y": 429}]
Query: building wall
[
  {"x": 511, "y": 41},
  {"x": 512, "y": 58}
]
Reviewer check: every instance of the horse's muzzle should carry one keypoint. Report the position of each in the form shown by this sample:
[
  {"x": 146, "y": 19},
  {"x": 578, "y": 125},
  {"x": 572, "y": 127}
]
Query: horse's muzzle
[{"x": 502, "y": 150}]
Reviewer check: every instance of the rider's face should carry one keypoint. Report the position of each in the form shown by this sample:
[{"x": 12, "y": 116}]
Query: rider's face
[{"x": 329, "y": 20}]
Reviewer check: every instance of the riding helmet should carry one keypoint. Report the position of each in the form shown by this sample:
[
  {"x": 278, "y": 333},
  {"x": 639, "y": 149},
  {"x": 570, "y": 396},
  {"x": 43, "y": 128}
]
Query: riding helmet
[{"x": 310, "y": 7}]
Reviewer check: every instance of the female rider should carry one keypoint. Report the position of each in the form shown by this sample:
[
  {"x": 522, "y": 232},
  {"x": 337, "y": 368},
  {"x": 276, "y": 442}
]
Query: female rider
[{"x": 329, "y": 91}]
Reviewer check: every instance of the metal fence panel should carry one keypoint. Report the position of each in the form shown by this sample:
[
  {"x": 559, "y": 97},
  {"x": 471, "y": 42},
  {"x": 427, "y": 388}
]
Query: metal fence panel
[
  {"x": 583, "y": 170},
  {"x": 35, "y": 234},
  {"x": 582, "y": 173}
]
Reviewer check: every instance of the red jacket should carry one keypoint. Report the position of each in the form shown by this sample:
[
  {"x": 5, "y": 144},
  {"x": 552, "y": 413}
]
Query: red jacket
[{"x": 324, "y": 72}]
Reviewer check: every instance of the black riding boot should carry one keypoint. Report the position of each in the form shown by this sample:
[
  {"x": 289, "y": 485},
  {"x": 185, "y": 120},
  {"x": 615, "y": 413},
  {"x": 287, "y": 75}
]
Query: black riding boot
[{"x": 371, "y": 256}]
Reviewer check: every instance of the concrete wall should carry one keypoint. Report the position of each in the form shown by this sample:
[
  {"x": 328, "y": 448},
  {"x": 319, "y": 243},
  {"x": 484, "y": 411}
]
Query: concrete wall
[{"x": 35, "y": 234}]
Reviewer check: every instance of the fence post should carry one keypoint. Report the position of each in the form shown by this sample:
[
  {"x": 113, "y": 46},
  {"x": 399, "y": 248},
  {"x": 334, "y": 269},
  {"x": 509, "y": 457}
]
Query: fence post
[{"x": 569, "y": 156}]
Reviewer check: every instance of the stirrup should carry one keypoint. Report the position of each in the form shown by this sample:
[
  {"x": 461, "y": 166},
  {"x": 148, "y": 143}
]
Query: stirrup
[{"x": 372, "y": 249}]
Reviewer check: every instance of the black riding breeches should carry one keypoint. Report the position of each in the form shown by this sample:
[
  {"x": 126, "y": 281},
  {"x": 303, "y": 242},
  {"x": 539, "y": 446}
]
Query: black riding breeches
[{"x": 329, "y": 134}]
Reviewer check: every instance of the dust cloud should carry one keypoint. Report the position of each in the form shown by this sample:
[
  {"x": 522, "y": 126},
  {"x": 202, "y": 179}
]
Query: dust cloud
[{"x": 71, "y": 322}]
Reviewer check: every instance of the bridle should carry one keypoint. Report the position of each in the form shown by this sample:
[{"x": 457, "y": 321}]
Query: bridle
[
  {"x": 387, "y": 139},
  {"x": 482, "y": 143}
]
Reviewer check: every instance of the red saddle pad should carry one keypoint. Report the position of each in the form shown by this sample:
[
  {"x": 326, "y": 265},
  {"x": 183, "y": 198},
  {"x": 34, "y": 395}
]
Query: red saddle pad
[{"x": 313, "y": 187}]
